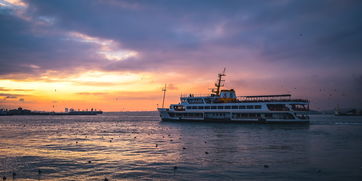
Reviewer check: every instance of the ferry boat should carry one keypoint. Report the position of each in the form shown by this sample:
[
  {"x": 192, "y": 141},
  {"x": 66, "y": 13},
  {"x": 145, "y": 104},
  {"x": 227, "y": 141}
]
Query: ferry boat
[{"x": 225, "y": 106}]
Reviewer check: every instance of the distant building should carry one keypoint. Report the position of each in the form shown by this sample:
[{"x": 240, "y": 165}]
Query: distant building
[{"x": 18, "y": 111}]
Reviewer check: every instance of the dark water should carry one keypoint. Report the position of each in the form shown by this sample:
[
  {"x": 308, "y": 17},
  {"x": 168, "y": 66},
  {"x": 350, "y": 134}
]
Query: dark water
[{"x": 122, "y": 146}]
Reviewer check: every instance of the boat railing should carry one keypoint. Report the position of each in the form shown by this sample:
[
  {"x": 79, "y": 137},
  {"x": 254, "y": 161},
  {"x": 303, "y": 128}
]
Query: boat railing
[
  {"x": 268, "y": 98},
  {"x": 194, "y": 95},
  {"x": 279, "y": 109},
  {"x": 272, "y": 100},
  {"x": 303, "y": 116}
]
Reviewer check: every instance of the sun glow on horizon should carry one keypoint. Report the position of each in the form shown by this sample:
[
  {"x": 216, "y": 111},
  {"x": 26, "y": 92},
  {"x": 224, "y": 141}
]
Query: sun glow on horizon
[{"x": 91, "y": 87}]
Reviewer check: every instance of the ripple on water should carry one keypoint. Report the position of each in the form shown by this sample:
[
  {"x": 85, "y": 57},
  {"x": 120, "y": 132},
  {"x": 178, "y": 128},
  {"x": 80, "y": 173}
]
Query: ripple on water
[{"x": 79, "y": 148}]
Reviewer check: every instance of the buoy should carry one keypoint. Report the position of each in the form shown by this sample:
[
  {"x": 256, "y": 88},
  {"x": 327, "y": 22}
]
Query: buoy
[{"x": 174, "y": 170}]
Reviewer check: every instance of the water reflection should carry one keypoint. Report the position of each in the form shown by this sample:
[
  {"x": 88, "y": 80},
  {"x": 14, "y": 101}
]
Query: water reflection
[{"x": 140, "y": 147}]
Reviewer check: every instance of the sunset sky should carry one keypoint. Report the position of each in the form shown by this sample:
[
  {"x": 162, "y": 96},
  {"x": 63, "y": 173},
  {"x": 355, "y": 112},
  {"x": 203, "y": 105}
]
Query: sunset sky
[{"x": 117, "y": 55}]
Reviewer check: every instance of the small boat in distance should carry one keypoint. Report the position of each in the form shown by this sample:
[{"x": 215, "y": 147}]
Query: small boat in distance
[{"x": 225, "y": 106}]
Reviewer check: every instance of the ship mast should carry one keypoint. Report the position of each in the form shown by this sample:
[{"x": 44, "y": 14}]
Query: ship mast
[
  {"x": 219, "y": 82},
  {"x": 164, "y": 94}
]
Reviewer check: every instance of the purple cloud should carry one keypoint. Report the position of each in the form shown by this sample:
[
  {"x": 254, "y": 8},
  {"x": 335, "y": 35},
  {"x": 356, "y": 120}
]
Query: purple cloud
[{"x": 288, "y": 40}]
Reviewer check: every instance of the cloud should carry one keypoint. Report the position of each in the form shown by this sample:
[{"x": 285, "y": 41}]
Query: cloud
[
  {"x": 109, "y": 49},
  {"x": 262, "y": 42},
  {"x": 357, "y": 81},
  {"x": 10, "y": 90},
  {"x": 172, "y": 87},
  {"x": 9, "y": 96},
  {"x": 166, "y": 34},
  {"x": 30, "y": 48},
  {"x": 93, "y": 93}
]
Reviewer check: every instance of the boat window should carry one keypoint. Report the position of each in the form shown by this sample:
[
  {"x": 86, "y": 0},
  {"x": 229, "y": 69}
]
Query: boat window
[
  {"x": 195, "y": 101},
  {"x": 281, "y": 116},
  {"x": 200, "y": 107},
  {"x": 213, "y": 107},
  {"x": 227, "y": 107},
  {"x": 257, "y": 106},
  {"x": 188, "y": 107},
  {"x": 299, "y": 107},
  {"x": 207, "y": 107},
  {"x": 179, "y": 108},
  {"x": 220, "y": 107},
  {"x": 193, "y": 107},
  {"x": 241, "y": 107},
  {"x": 250, "y": 107},
  {"x": 277, "y": 107},
  {"x": 234, "y": 107}
]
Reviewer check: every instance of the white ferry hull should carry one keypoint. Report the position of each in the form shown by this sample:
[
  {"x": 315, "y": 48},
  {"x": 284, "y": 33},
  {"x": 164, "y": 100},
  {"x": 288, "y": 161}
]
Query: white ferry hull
[
  {"x": 242, "y": 121},
  {"x": 165, "y": 116}
]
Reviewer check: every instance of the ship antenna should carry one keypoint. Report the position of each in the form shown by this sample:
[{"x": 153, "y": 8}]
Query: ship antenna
[
  {"x": 164, "y": 94},
  {"x": 219, "y": 84}
]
